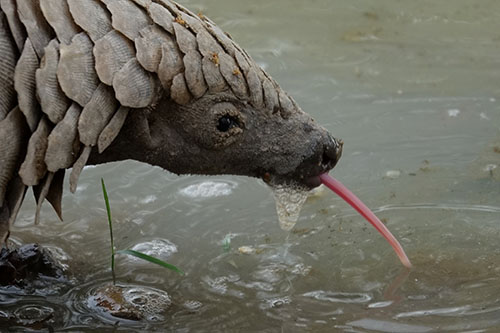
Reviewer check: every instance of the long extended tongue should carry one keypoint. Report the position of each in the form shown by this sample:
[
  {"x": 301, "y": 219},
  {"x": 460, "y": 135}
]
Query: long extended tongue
[{"x": 358, "y": 205}]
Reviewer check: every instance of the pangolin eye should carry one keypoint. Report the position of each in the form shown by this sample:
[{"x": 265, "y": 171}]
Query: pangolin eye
[{"x": 226, "y": 123}]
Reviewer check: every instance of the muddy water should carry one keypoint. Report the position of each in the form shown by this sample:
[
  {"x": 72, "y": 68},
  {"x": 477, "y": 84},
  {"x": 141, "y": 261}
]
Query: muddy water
[{"x": 413, "y": 88}]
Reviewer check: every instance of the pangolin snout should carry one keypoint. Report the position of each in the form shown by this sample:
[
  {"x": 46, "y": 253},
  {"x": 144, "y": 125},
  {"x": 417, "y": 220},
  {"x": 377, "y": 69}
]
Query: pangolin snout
[
  {"x": 326, "y": 157},
  {"x": 332, "y": 150}
]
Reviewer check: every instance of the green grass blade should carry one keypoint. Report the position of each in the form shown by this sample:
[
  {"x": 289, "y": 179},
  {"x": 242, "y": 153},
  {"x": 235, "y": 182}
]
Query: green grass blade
[
  {"x": 153, "y": 260},
  {"x": 226, "y": 243},
  {"x": 108, "y": 210}
]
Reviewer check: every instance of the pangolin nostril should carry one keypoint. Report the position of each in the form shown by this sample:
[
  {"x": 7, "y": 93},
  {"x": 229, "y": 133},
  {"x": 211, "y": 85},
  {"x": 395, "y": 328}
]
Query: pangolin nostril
[
  {"x": 325, "y": 159},
  {"x": 331, "y": 153}
]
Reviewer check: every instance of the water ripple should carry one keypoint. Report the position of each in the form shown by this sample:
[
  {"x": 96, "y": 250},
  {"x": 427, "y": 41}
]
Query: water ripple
[
  {"x": 459, "y": 310},
  {"x": 338, "y": 297},
  {"x": 388, "y": 326},
  {"x": 458, "y": 207}
]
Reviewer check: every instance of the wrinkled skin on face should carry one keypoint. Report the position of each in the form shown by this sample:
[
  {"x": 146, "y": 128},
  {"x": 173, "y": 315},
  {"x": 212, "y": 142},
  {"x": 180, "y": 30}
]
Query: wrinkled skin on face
[{"x": 220, "y": 134}]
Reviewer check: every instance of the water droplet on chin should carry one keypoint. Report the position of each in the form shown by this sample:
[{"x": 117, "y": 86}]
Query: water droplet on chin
[{"x": 289, "y": 201}]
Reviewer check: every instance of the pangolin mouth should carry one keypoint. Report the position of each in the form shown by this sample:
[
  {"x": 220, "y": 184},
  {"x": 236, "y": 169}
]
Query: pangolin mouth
[{"x": 313, "y": 182}]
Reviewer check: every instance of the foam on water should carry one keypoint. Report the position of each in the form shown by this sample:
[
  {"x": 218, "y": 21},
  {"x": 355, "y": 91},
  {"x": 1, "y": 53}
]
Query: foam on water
[
  {"x": 208, "y": 189},
  {"x": 159, "y": 248},
  {"x": 151, "y": 303},
  {"x": 129, "y": 302}
]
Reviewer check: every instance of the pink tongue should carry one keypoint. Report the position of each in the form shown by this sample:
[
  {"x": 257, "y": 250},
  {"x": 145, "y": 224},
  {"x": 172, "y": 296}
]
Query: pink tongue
[{"x": 353, "y": 200}]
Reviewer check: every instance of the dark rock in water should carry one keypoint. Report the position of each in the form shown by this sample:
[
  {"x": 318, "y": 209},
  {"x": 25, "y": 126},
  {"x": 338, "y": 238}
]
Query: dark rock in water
[{"x": 26, "y": 264}]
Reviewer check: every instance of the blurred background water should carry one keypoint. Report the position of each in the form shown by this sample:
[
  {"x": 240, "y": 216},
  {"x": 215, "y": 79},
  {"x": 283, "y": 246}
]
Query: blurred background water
[{"x": 413, "y": 89}]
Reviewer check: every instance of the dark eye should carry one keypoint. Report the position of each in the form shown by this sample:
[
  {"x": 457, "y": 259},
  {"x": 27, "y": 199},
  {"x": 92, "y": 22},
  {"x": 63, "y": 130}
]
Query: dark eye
[{"x": 226, "y": 123}]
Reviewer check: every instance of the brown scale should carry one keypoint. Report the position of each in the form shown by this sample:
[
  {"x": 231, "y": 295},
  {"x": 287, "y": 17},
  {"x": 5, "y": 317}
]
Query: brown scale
[
  {"x": 194, "y": 74},
  {"x": 135, "y": 87},
  {"x": 270, "y": 95},
  {"x": 25, "y": 84},
  {"x": 93, "y": 118},
  {"x": 161, "y": 16},
  {"x": 57, "y": 14},
  {"x": 207, "y": 45},
  {"x": 91, "y": 16},
  {"x": 41, "y": 191},
  {"x": 127, "y": 17},
  {"x": 171, "y": 63},
  {"x": 232, "y": 74},
  {"x": 76, "y": 70},
  {"x": 210, "y": 49},
  {"x": 96, "y": 114},
  {"x": 179, "y": 91},
  {"x": 252, "y": 78},
  {"x": 52, "y": 99},
  {"x": 63, "y": 141},
  {"x": 14, "y": 130},
  {"x": 7, "y": 68},
  {"x": 149, "y": 47},
  {"x": 112, "y": 129},
  {"x": 39, "y": 31},
  {"x": 33, "y": 168},
  {"x": 9, "y": 7},
  {"x": 211, "y": 72},
  {"x": 111, "y": 53},
  {"x": 185, "y": 39}
]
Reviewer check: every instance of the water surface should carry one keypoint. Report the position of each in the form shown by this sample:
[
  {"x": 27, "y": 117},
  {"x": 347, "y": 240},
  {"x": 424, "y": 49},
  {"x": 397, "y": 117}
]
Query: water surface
[{"x": 413, "y": 89}]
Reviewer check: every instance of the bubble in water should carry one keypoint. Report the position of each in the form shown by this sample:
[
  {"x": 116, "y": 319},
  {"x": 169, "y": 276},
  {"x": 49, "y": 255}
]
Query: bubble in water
[
  {"x": 130, "y": 302},
  {"x": 289, "y": 201},
  {"x": 192, "y": 305},
  {"x": 301, "y": 269},
  {"x": 278, "y": 302},
  {"x": 149, "y": 199},
  {"x": 151, "y": 303},
  {"x": 159, "y": 248},
  {"x": 31, "y": 314},
  {"x": 275, "y": 303},
  {"x": 453, "y": 112},
  {"x": 393, "y": 174}
]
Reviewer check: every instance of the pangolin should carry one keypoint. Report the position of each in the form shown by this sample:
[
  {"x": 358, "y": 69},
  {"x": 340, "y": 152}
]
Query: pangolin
[{"x": 92, "y": 81}]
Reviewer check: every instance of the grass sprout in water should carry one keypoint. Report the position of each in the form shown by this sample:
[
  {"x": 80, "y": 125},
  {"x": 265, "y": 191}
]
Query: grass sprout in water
[
  {"x": 226, "y": 243},
  {"x": 129, "y": 252}
]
